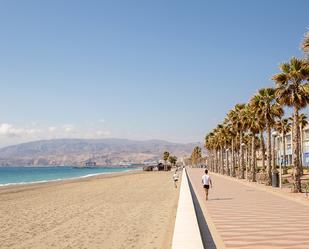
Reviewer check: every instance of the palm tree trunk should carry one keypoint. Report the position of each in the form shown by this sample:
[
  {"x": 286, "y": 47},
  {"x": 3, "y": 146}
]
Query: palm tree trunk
[
  {"x": 238, "y": 161},
  {"x": 263, "y": 150},
  {"x": 227, "y": 163},
  {"x": 221, "y": 161},
  {"x": 226, "y": 159},
  {"x": 301, "y": 149},
  {"x": 296, "y": 149},
  {"x": 248, "y": 168},
  {"x": 213, "y": 160},
  {"x": 268, "y": 155},
  {"x": 233, "y": 160},
  {"x": 247, "y": 165},
  {"x": 253, "y": 159},
  {"x": 210, "y": 161},
  {"x": 216, "y": 161},
  {"x": 242, "y": 159}
]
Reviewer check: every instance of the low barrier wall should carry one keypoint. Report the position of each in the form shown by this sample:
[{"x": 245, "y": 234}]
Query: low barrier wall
[{"x": 186, "y": 232}]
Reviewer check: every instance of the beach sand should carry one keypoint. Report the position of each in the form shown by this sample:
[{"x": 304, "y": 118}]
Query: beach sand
[{"x": 128, "y": 210}]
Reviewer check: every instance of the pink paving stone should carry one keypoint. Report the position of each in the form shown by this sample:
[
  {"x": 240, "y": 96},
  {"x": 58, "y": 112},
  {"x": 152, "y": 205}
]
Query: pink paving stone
[{"x": 249, "y": 218}]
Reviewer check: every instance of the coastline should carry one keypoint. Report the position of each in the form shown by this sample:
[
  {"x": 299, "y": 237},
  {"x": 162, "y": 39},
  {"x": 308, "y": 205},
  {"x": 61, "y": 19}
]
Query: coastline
[
  {"x": 30, "y": 185},
  {"x": 127, "y": 170},
  {"x": 133, "y": 209}
]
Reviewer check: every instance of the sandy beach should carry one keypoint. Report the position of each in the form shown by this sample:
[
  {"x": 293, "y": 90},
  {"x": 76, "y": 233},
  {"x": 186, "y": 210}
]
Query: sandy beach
[{"x": 128, "y": 210}]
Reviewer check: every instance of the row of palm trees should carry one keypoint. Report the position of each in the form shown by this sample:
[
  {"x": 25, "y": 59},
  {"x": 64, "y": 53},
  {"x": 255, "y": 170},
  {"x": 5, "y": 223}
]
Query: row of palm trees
[
  {"x": 196, "y": 156},
  {"x": 233, "y": 144}
]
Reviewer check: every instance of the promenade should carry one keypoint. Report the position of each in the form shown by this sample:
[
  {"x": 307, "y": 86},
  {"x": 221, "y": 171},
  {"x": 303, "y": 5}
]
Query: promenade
[{"x": 244, "y": 217}]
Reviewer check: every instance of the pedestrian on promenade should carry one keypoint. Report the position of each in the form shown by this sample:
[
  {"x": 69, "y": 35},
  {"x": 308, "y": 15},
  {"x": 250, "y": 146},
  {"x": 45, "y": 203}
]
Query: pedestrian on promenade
[
  {"x": 175, "y": 178},
  {"x": 206, "y": 180}
]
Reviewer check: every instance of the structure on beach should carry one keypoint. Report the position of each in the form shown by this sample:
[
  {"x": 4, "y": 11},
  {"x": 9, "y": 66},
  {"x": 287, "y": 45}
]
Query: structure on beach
[
  {"x": 159, "y": 167},
  {"x": 90, "y": 163}
]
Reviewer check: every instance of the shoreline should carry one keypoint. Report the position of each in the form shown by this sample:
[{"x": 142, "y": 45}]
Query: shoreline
[
  {"x": 31, "y": 185},
  {"x": 3, "y": 185}
]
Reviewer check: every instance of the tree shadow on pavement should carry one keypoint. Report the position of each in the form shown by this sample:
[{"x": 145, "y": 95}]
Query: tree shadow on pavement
[{"x": 207, "y": 239}]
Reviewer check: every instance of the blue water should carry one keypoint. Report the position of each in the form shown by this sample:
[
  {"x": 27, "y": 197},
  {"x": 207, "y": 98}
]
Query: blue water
[{"x": 22, "y": 175}]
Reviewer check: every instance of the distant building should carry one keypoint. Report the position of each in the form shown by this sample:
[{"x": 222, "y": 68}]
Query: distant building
[
  {"x": 289, "y": 148},
  {"x": 90, "y": 163}
]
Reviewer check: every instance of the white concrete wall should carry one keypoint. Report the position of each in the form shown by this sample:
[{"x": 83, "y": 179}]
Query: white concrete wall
[{"x": 186, "y": 233}]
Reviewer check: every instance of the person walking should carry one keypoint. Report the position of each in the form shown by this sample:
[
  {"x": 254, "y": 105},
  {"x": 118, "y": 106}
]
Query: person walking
[
  {"x": 175, "y": 178},
  {"x": 206, "y": 180}
]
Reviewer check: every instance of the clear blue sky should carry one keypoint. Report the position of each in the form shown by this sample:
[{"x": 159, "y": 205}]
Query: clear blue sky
[{"x": 137, "y": 69}]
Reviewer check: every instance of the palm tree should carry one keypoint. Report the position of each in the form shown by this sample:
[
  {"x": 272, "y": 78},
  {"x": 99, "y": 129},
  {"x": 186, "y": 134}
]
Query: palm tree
[
  {"x": 233, "y": 135},
  {"x": 302, "y": 123},
  {"x": 215, "y": 151},
  {"x": 264, "y": 104},
  {"x": 232, "y": 119},
  {"x": 229, "y": 142},
  {"x": 196, "y": 155},
  {"x": 261, "y": 126},
  {"x": 246, "y": 145},
  {"x": 292, "y": 89},
  {"x": 217, "y": 144},
  {"x": 222, "y": 133},
  {"x": 303, "y": 120},
  {"x": 166, "y": 155},
  {"x": 172, "y": 160},
  {"x": 210, "y": 146},
  {"x": 219, "y": 138},
  {"x": 305, "y": 44},
  {"x": 236, "y": 117},
  {"x": 283, "y": 126},
  {"x": 254, "y": 128}
]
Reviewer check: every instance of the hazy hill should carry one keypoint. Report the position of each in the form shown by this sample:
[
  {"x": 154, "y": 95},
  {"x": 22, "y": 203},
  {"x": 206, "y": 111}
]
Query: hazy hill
[{"x": 76, "y": 151}]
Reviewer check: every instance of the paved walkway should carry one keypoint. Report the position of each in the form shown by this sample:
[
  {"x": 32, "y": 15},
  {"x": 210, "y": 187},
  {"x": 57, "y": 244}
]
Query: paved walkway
[{"x": 244, "y": 217}]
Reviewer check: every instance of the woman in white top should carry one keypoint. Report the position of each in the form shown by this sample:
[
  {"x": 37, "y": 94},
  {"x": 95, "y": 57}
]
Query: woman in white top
[{"x": 206, "y": 180}]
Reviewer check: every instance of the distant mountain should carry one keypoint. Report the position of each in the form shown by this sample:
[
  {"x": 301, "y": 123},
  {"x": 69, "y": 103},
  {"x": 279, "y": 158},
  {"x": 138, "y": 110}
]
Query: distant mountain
[{"x": 77, "y": 151}]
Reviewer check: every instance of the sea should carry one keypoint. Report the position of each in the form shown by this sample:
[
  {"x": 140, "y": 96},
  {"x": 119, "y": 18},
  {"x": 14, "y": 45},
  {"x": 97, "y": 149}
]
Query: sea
[{"x": 27, "y": 175}]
